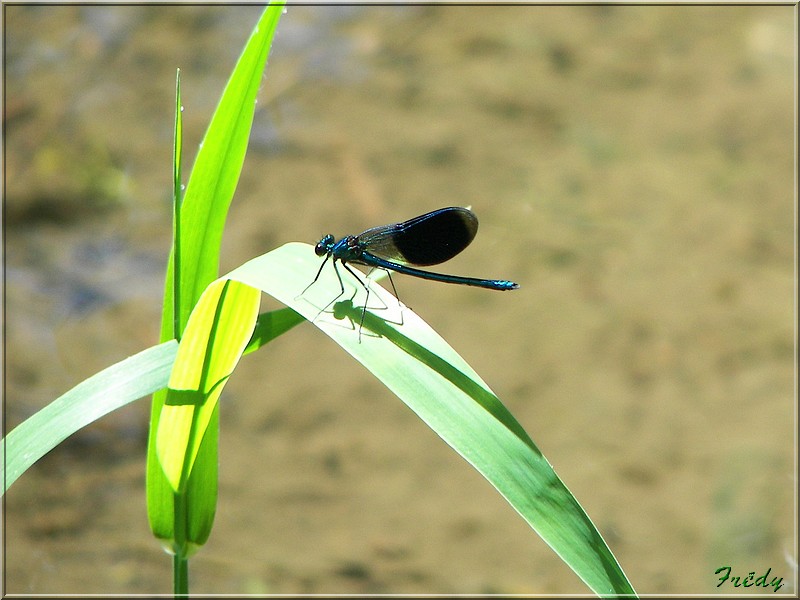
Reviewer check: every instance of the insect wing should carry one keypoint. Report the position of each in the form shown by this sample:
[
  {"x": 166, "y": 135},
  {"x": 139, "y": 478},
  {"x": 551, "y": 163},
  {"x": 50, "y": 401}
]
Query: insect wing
[{"x": 429, "y": 239}]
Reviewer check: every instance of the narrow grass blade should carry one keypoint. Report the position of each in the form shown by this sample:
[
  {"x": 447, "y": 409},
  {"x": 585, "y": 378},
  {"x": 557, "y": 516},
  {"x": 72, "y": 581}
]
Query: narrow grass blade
[
  {"x": 110, "y": 389},
  {"x": 416, "y": 364},
  {"x": 271, "y": 325},
  {"x": 116, "y": 386},
  {"x": 177, "y": 200},
  {"x": 215, "y": 174},
  {"x": 183, "y": 521}
]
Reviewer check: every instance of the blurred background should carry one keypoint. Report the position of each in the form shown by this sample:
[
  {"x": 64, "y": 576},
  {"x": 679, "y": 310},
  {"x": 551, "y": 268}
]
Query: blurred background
[{"x": 633, "y": 170}]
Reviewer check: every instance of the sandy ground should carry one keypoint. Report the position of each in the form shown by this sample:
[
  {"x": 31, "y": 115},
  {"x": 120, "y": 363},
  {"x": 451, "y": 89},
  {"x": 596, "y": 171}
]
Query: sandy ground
[{"x": 633, "y": 169}]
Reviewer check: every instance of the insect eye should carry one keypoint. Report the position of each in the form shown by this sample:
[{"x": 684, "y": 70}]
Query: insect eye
[{"x": 324, "y": 245}]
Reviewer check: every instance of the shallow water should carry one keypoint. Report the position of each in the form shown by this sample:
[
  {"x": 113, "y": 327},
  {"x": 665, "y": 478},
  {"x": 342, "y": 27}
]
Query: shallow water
[{"x": 632, "y": 168}]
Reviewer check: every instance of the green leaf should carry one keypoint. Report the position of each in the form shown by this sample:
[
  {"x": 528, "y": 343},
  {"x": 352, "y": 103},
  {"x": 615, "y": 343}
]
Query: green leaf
[
  {"x": 215, "y": 337},
  {"x": 215, "y": 173},
  {"x": 183, "y": 521},
  {"x": 110, "y": 389},
  {"x": 177, "y": 199},
  {"x": 415, "y": 363},
  {"x": 114, "y": 387},
  {"x": 271, "y": 325}
]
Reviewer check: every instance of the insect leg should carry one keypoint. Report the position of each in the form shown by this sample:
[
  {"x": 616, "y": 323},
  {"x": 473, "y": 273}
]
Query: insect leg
[{"x": 327, "y": 256}]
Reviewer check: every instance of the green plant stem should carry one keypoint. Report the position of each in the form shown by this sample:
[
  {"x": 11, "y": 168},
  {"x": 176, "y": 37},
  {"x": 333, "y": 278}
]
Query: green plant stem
[{"x": 180, "y": 576}]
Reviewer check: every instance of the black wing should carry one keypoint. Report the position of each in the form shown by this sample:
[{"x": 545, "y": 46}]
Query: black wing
[{"x": 429, "y": 239}]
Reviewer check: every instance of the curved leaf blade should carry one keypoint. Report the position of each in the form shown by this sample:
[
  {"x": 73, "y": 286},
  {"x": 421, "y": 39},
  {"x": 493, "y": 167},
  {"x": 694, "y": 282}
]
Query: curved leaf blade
[
  {"x": 112, "y": 388},
  {"x": 416, "y": 364},
  {"x": 120, "y": 384}
]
